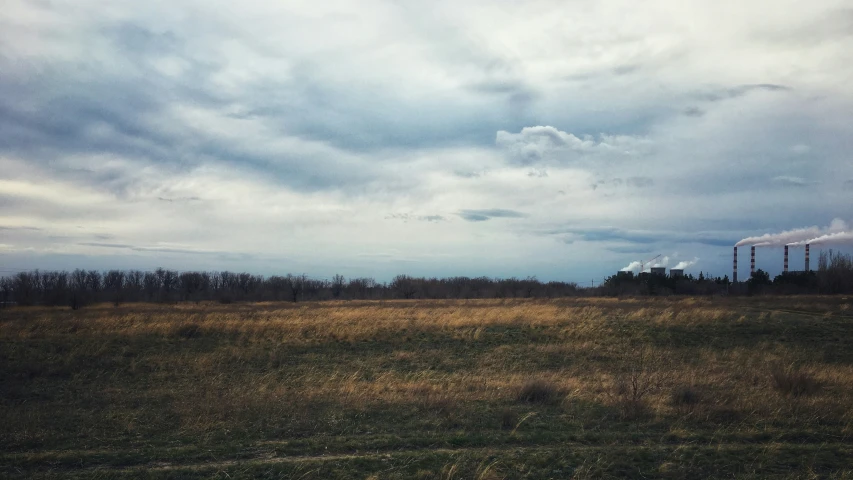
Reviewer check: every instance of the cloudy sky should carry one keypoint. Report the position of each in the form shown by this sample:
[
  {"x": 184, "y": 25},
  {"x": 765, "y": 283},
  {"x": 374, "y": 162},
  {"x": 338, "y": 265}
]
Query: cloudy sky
[{"x": 563, "y": 139}]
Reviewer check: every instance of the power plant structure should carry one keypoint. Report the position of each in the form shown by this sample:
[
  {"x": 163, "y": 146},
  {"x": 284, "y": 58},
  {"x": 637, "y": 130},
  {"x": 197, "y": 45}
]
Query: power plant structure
[
  {"x": 838, "y": 232},
  {"x": 807, "y": 257},
  {"x": 656, "y": 271},
  {"x": 653, "y": 271},
  {"x": 752, "y": 261},
  {"x": 734, "y": 267}
]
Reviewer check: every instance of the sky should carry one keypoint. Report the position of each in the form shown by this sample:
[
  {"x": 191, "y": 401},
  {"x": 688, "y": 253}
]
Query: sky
[{"x": 561, "y": 139}]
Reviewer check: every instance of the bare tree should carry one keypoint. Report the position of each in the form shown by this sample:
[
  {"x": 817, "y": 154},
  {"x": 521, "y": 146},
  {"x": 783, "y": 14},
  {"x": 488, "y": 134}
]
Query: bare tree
[
  {"x": 404, "y": 286},
  {"x": 114, "y": 285},
  {"x": 338, "y": 285},
  {"x": 5, "y": 291},
  {"x": 295, "y": 284}
]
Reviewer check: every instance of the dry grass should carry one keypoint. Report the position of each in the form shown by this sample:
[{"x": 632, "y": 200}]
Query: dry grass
[
  {"x": 794, "y": 382},
  {"x": 538, "y": 391},
  {"x": 685, "y": 398},
  {"x": 634, "y": 376}
]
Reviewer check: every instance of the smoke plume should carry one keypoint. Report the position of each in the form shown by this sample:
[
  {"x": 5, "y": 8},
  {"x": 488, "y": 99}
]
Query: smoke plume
[
  {"x": 686, "y": 263},
  {"x": 635, "y": 266},
  {"x": 632, "y": 267},
  {"x": 839, "y": 238},
  {"x": 794, "y": 236}
]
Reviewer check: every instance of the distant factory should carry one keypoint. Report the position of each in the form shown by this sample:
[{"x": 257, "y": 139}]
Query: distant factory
[
  {"x": 838, "y": 232},
  {"x": 653, "y": 271}
]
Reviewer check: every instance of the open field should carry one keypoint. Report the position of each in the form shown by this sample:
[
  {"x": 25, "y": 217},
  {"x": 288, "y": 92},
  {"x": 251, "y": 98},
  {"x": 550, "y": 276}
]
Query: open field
[{"x": 568, "y": 388}]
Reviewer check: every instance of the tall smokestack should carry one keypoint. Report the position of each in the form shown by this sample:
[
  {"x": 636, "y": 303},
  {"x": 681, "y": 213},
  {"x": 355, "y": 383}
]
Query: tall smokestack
[
  {"x": 734, "y": 267},
  {"x": 807, "y": 257},
  {"x": 786, "y": 259},
  {"x": 752, "y": 260}
]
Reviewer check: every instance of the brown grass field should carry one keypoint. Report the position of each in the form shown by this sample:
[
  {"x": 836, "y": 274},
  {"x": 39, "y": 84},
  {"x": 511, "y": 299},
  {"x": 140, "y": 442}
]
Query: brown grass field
[{"x": 480, "y": 389}]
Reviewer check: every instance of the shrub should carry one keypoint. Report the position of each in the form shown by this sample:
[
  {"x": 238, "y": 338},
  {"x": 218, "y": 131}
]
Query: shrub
[
  {"x": 642, "y": 378},
  {"x": 793, "y": 382},
  {"x": 538, "y": 391},
  {"x": 685, "y": 398}
]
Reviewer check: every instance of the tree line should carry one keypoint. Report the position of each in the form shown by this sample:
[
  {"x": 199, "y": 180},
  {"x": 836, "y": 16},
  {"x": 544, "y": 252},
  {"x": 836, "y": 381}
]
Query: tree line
[
  {"x": 78, "y": 288},
  {"x": 81, "y": 287}
]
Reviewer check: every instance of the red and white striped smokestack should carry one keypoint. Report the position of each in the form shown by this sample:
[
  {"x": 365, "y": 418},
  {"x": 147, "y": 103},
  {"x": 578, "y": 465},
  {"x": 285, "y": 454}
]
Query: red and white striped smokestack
[
  {"x": 752, "y": 260},
  {"x": 807, "y": 257},
  {"x": 734, "y": 267},
  {"x": 786, "y": 259}
]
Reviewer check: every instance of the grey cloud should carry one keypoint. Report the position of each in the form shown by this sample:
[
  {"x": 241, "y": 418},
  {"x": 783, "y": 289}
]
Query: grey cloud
[
  {"x": 106, "y": 245},
  {"x": 179, "y": 199},
  {"x": 474, "y": 217},
  {"x": 367, "y": 117},
  {"x": 629, "y": 249},
  {"x": 739, "y": 91},
  {"x": 639, "y": 182},
  {"x": 608, "y": 234},
  {"x": 633, "y": 182},
  {"x": 483, "y": 215},
  {"x": 70, "y": 122},
  {"x": 693, "y": 112},
  {"x": 65, "y": 111},
  {"x": 546, "y": 143},
  {"x": 626, "y": 69},
  {"x": 139, "y": 40},
  {"x": 501, "y": 87},
  {"x": 10, "y": 228},
  {"x": 421, "y": 218},
  {"x": 159, "y": 249},
  {"x": 378, "y": 255},
  {"x": 177, "y": 250},
  {"x": 498, "y": 72},
  {"x": 640, "y": 237},
  {"x": 789, "y": 181},
  {"x": 579, "y": 77},
  {"x": 849, "y": 184}
]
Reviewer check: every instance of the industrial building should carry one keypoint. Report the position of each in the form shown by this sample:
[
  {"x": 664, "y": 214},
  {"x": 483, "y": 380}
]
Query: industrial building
[{"x": 658, "y": 271}]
